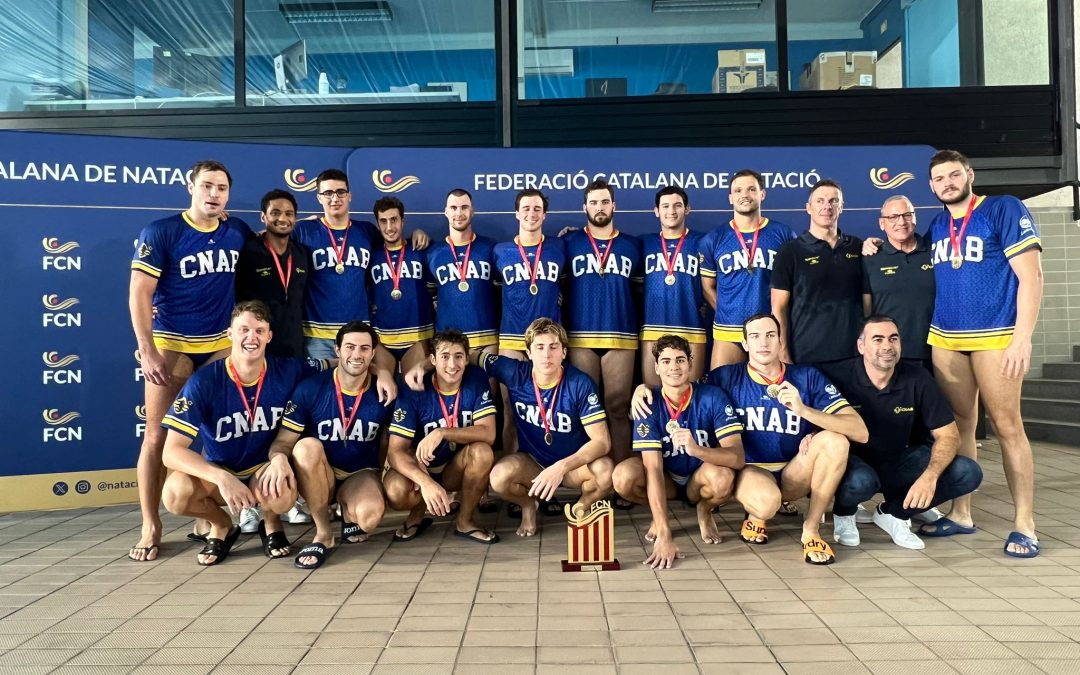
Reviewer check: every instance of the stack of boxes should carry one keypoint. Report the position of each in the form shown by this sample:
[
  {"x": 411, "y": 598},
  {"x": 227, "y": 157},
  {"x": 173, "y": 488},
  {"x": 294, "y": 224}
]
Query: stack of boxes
[
  {"x": 738, "y": 70},
  {"x": 840, "y": 70}
]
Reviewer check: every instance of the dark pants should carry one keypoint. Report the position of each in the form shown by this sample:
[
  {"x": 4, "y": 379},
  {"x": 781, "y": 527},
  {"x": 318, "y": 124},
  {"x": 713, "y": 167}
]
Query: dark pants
[{"x": 862, "y": 481}]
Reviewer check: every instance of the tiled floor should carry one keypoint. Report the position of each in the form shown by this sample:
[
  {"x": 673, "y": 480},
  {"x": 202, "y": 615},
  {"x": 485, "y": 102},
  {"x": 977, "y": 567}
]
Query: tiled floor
[{"x": 71, "y": 602}]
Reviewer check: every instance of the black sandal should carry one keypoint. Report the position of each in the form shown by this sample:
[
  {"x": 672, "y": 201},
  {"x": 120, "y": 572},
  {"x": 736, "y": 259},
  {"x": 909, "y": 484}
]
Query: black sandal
[
  {"x": 219, "y": 548},
  {"x": 273, "y": 541},
  {"x": 350, "y": 530},
  {"x": 316, "y": 550}
]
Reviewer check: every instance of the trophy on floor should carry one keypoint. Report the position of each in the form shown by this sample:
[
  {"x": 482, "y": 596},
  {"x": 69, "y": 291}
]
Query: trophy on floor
[{"x": 590, "y": 538}]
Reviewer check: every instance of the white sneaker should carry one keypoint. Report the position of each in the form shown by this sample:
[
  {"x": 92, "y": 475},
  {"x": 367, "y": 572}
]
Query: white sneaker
[
  {"x": 297, "y": 515},
  {"x": 249, "y": 520},
  {"x": 845, "y": 531},
  {"x": 899, "y": 530},
  {"x": 864, "y": 515},
  {"x": 928, "y": 516}
]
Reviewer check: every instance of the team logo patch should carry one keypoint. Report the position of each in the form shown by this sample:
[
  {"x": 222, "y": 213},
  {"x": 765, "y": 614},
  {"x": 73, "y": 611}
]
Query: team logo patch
[
  {"x": 593, "y": 400},
  {"x": 486, "y": 397},
  {"x": 181, "y": 405},
  {"x": 729, "y": 411},
  {"x": 384, "y": 182},
  {"x": 1025, "y": 224},
  {"x": 831, "y": 390},
  {"x": 643, "y": 430},
  {"x": 399, "y": 415},
  {"x": 812, "y": 260},
  {"x": 883, "y": 181},
  {"x": 298, "y": 182},
  {"x": 140, "y": 412},
  {"x": 290, "y": 408},
  {"x": 144, "y": 250},
  {"x": 54, "y": 360},
  {"x": 53, "y": 246},
  {"x": 53, "y": 417},
  {"x": 927, "y": 266}
]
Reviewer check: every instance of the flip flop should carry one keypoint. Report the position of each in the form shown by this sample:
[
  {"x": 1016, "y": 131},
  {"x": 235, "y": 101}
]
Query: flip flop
[
  {"x": 750, "y": 531},
  {"x": 273, "y": 541},
  {"x": 315, "y": 550},
  {"x": 350, "y": 530},
  {"x": 1021, "y": 539},
  {"x": 416, "y": 528},
  {"x": 487, "y": 506},
  {"x": 471, "y": 535},
  {"x": 197, "y": 538},
  {"x": 945, "y": 527},
  {"x": 819, "y": 545},
  {"x": 219, "y": 548},
  {"x": 146, "y": 549},
  {"x": 787, "y": 509},
  {"x": 622, "y": 504}
]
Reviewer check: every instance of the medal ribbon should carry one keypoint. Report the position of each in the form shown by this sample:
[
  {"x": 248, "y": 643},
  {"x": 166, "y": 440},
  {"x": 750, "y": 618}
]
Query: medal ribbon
[
  {"x": 249, "y": 409},
  {"x": 463, "y": 266},
  {"x": 339, "y": 252},
  {"x": 752, "y": 250},
  {"x": 449, "y": 415},
  {"x": 957, "y": 238},
  {"x": 779, "y": 380},
  {"x": 345, "y": 423},
  {"x": 674, "y": 413},
  {"x": 535, "y": 267},
  {"x": 675, "y": 256},
  {"x": 601, "y": 258},
  {"x": 395, "y": 270},
  {"x": 285, "y": 278},
  {"x": 540, "y": 401}
]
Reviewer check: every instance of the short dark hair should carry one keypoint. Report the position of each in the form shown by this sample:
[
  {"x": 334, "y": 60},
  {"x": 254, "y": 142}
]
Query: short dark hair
[
  {"x": 530, "y": 192},
  {"x": 357, "y": 327},
  {"x": 598, "y": 184},
  {"x": 823, "y": 183},
  {"x": 878, "y": 318},
  {"x": 945, "y": 156},
  {"x": 749, "y": 172},
  {"x": 387, "y": 203},
  {"x": 761, "y": 315},
  {"x": 209, "y": 165},
  {"x": 273, "y": 195},
  {"x": 331, "y": 174},
  {"x": 676, "y": 342},
  {"x": 672, "y": 190},
  {"x": 255, "y": 307},
  {"x": 460, "y": 192},
  {"x": 451, "y": 336}
]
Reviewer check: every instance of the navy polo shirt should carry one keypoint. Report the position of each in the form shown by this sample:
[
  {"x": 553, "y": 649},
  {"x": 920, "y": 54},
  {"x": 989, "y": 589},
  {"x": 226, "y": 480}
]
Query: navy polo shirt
[{"x": 901, "y": 286}]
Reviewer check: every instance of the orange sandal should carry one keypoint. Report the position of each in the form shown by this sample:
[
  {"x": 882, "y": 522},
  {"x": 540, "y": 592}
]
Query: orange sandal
[
  {"x": 818, "y": 545},
  {"x": 754, "y": 532}
]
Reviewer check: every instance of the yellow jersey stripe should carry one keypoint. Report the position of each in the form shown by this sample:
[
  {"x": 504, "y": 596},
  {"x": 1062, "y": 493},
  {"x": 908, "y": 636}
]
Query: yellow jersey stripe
[
  {"x": 291, "y": 426},
  {"x": 180, "y": 426},
  {"x": 691, "y": 335},
  {"x": 187, "y": 346},
  {"x": 484, "y": 412},
  {"x": 769, "y": 466},
  {"x": 594, "y": 418},
  {"x": 402, "y": 431},
  {"x": 835, "y": 406},
  {"x": 149, "y": 269},
  {"x": 647, "y": 445},
  {"x": 727, "y": 334},
  {"x": 729, "y": 430},
  {"x": 1023, "y": 245}
]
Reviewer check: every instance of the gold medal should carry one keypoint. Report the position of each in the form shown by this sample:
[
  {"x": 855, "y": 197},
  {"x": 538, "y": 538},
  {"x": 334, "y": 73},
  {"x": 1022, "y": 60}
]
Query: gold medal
[
  {"x": 672, "y": 427},
  {"x": 463, "y": 286},
  {"x": 453, "y": 446},
  {"x": 773, "y": 390},
  {"x": 395, "y": 294},
  {"x": 339, "y": 268},
  {"x": 534, "y": 289},
  {"x": 670, "y": 280},
  {"x": 956, "y": 261},
  {"x": 749, "y": 270},
  {"x": 548, "y": 438}
]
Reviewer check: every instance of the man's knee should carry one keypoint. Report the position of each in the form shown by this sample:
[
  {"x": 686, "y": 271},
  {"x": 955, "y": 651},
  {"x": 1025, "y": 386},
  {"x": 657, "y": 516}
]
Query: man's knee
[
  {"x": 763, "y": 500},
  {"x": 720, "y": 481},
  {"x": 503, "y": 474},
  {"x": 308, "y": 454},
  {"x": 831, "y": 445},
  {"x": 479, "y": 457},
  {"x": 964, "y": 474},
  {"x": 860, "y": 482},
  {"x": 399, "y": 490},
  {"x": 177, "y": 492},
  {"x": 628, "y": 474},
  {"x": 601, "y": 470},
  {"x": 1007, "y": 425}
]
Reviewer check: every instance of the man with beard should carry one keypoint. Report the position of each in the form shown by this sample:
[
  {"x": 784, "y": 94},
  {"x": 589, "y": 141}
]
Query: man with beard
[{"x": 987, "y": 266}]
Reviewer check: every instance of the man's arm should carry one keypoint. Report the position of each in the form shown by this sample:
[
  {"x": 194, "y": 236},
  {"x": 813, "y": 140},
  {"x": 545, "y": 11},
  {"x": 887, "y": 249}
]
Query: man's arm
[
  {"x": 1016, "y": 360},
  {"x": 179, "y": 456},
  {"x": 708, "y": 289},
  {"x": 401, "y": 459},
  {"x": 549, "y": 480},
  {"x": 845, "y": 421},
  {"x": 781, "y": 300},
  {"x": 942, "y": 453},
  {"x": 729, "y": 454},
  {"x": 664, "y": 549},
  {"x": 867, "y": 304},
  {"x": 278, "y": 477},
  {"x": 482, "y": 431},
  {"x": 141, "y": 306}
]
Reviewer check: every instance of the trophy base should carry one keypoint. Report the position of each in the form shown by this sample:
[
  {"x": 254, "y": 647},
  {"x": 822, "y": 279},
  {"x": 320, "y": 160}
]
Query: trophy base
[{"x": 590, "y": 567}]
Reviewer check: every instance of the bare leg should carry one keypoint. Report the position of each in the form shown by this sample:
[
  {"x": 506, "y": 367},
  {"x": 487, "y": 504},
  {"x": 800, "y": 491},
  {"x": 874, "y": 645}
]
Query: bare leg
[
  {"x": 186, "y": 495},
  {"x": 362, "y": 500},
  {"x": 403, "y": 495},
  {"x": 956, "y": 377},
  {"x": 756, "y": 489},
  {"x": 709, "y": 487},
  {"x": 315, "y": 480},
  {"x": 618, "y": 377},
  {"x": 724, "y": 353},
  {"x": 630, "y": 481},
  {"x": 469, "y": 470},
  {"x": 816, "y": 472},
  {"x": 272, "y": 508},
  {"x": 509, "y": 430},
  {"x": 511, "y": 478}
]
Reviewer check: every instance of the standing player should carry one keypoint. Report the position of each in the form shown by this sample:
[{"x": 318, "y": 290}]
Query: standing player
[
  {"x": 987, "y": 265},
  {"x": 184, "y": 265},
  {"x": 441, "y": 440},
  {"x": 601, "y": 316},
  {"x": 690, "y": 448},
  {"x": 673, "y": 294},
  {"x": 233, "y": 406},
  {"x": 401, "y": 304},
  {"x": 737, "y": 266},
  {"x": 560, "y": 426},
  {"x": 330, "y": 431},
  {"x": 797, "y": 432}
]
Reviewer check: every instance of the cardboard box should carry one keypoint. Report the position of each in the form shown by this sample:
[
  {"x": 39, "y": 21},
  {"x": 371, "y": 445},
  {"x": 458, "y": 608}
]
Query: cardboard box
[
  {"x": 840, "y": 70},
  {"x": 738, "y": 70}
]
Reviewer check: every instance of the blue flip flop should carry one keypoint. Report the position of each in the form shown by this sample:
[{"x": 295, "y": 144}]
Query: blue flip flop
[
  {"x": 1021, "y": 539},
  {"x": 945, "y": 527}
]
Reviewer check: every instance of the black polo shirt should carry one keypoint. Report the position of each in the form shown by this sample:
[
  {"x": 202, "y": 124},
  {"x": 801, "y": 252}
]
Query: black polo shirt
[
  {"x": 902, "y": 286},
  {"x": 899, "y": 416},
  {"x": 825, "y": 313},
  {"x": 257, "y": 279}
]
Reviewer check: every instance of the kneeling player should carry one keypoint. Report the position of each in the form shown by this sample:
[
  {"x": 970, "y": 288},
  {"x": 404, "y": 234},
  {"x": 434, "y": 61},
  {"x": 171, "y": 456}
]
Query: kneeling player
[
  {"x": 561, "y": 426},
  {"x": 331, "y": 432},
  {"x": 235, "y": 406},
  {"x": 453, "y": 420},
  {"x": 690, "y": 447}
]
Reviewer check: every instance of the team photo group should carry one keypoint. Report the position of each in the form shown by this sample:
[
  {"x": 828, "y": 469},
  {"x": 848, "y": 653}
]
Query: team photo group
[{"x": 311, "y": 369}]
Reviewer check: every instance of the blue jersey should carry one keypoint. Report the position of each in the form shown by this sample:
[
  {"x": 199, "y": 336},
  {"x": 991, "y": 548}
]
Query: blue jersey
[
  {"x": 472, "y": 310},
  {"x": 209, "y": 408},
  {"x": 571, "y": 405},
  {"x": 335, "y": 299},
  {"x": 402, "y": 322},
  {"x": 418, "y": 413},
  {"x": 314, "y": 413},
  {"x": 600, "y": 310},
  {"x": 195, "y": 269},
  {"x": 739, "y": 293},
  {"x": 975, "y": 306},
  {"x": 674, "y": 309},
  {"x": 772, "y": 432},
  {"x": 708, "y": 413},
  {"x": 520, "y": 306}
]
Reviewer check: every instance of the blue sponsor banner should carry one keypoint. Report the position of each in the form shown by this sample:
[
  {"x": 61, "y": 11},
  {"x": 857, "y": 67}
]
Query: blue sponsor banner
[{"x": 421, "y": 178}]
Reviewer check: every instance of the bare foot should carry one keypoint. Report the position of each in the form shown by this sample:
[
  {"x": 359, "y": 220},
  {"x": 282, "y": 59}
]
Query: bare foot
[
  {"x": 416, "y": 515},
  {"x": 650, "y": 536},
  {"x": 146, "y": 548},
  {"x": 707, "y": 524},
  {"x": 528, "y": 520}
]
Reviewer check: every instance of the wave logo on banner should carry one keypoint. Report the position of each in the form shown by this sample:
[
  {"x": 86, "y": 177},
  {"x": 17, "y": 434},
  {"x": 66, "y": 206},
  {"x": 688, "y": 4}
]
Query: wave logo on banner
[
  {"x": 57, "y": 371},
  {"x": 297, "y": 182},
  {"x": 882, "y": 181},
  {"x": 53, "y": 303},
  {"x": 384, "y": 182},
  {"x": 59, "y": 427},
  {"x": 140, "y": 426},
  {"x": 55, "y": 314},
  {"x": 54, "y": 360},
  {"x": 53, "y": 417},
  {"x": 53, "y": 246}
]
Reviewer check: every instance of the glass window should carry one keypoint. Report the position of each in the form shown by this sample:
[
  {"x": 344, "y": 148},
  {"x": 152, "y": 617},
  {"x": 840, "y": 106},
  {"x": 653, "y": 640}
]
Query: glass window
[
  {"x": 112, "y": 54},
  {"x": 377, "y": 51},
  {"x": 888, "y": 44},
  {"x": 577, "y": 48}
]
